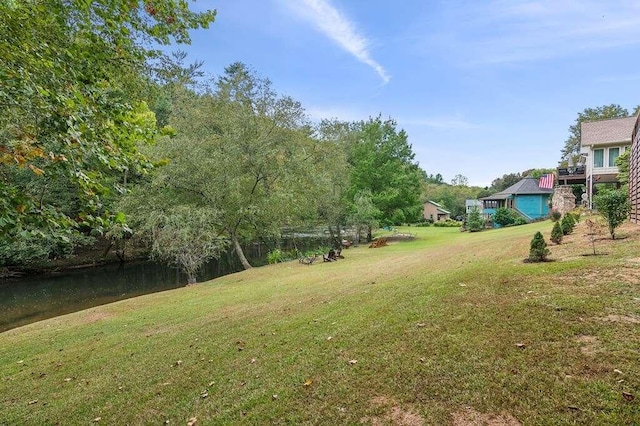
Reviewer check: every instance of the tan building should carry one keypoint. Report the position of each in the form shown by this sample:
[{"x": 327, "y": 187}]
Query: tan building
[
  {"x": 634, "y": 173},
  {"x": 601, "y": 143},
  {"x": 435, "y": 212}
]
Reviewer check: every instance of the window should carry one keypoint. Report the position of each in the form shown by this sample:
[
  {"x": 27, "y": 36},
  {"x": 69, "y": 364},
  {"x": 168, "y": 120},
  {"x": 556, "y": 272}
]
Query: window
[
  {"x": 598, "y": 158},
  {"x": 613, "y": 154}
]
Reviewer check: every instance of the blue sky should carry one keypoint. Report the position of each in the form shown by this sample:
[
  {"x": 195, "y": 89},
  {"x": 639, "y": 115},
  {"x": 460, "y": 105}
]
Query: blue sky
[{"x": 482, "y": 88}]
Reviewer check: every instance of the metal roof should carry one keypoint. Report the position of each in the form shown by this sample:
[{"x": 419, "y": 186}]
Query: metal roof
[
  {"x": 439, "y": 207},
  {"x": 527, "y": 186},
  {"x": 615, "y": 130}
]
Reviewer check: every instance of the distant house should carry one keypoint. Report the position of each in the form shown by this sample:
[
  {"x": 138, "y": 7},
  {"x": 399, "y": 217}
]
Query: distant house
[
  {"x": 435, "y": 212},
  {"x": 469, "y": 205},
  {"x": 525, "y": 197},
  {"x": 601, "y": 143}
]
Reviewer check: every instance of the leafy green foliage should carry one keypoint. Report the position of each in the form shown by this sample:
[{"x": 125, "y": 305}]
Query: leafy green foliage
[
  {"x": 504, "y": 216},
  {"x": 556, "y": 233},
  {"x": 538, "y": 250},
  {"x": 184, "y": 236},
  {"x": 622, "y": 162},
  {"x": 381, "y": 161},
  {"x": 614, "y": 207},
  {"x": 72, "y": 111}
]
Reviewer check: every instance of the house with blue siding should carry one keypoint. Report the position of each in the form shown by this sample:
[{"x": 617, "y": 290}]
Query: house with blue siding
[{"x": 525, "y": 197}]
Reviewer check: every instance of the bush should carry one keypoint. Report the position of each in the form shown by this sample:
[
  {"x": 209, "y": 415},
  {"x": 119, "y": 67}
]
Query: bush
[
  {"x": 475, "y": 222},
  {"x": 520, "y": 221},
  {"x": 555, "y": 215},
  {"x": 538, "y": 251},
  {"x": 567, "y": 224},
  {"x": 556, "y": 233},
  {"x": 275, "y": 256},
  {"x": 614, "y": 206},
  {"x": 449, "y": 223},
  {"x": 504, "y": 216}
]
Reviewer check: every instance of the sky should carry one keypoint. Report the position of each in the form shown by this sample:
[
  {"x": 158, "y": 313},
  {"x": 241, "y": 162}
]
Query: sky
[{"x": 482, "y": 87}]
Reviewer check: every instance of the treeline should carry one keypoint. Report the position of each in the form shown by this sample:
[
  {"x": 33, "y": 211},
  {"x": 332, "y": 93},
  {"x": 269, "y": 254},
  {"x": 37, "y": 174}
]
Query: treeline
[{"x": 103, "y": 137}]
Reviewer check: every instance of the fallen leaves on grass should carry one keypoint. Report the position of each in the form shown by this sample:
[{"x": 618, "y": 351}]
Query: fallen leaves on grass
[
  {"x": 178, "y": 363},
  {"x": 97, "y": 419},
  {"x": 34, "y": 401},
  {"x": 521, "y": 345},
  {"x": 353, "y": 361},
  {"x": 628, "y": 396},
  {"x": 204, "y": 394},
  {"x": 193, "y": 421},
  {"x": 307, "y": 382}
]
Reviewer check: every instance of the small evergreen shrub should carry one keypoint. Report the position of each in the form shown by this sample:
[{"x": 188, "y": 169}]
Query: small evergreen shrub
[
  {"x": 475, "y": 222},
  {"x": 555, "y": 215},
  {"x": 556, "y": 233},
  {"x": 614, "y": 207},
  {"x": 538, "y": 251},
  {"x": 567, "y": 224}
]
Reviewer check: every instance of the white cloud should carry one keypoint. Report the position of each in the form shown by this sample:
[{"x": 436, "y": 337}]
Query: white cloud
[{"x": 335, "y": 25}]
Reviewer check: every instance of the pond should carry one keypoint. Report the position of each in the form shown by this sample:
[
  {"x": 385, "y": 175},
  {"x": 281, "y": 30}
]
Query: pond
[{"x": 27, "y": 300}]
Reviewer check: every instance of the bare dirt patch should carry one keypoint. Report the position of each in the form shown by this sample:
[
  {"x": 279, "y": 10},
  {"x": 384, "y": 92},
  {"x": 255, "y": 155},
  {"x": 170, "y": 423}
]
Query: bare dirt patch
[
  {"x": 629, "y": 319},
  {"x": 589, "y": 344},
  {"x": 395, "y": 414},
  {"x": 94, "y": 316},
  {"x": 470, "y": 417}
]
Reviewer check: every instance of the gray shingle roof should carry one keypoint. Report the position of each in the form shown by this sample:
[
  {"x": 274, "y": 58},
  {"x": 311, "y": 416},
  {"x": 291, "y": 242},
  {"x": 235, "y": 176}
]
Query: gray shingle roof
[
  {"x": 614, "y": 130},
  {"x": 527, "y": 186}
]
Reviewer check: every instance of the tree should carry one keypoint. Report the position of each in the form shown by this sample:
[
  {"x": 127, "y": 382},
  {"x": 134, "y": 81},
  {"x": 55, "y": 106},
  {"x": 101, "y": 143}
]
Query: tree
[
  {"x": 244, "y": 150},
  {"x": 72, "y": 112},
  {"x": 381, "y": 161},
  {"x": 622, "y": 162},
  {"x": 572, "y": 144},
  {"x": 614, "y": 207},
  {"x": 500, "y": 184},
  {"x": 474, "y": 220},
  {"x": 185, "y": 236},
  {"x": 538, "y": 250},
  {"x": 556, "y": 233},
  {"x": 460, "y": 180},
  {"x": 364, "y": 214}
]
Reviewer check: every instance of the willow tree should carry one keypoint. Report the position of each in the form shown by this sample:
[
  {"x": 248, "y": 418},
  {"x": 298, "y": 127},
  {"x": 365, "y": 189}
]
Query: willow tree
[{"x": 245, "y": 151}]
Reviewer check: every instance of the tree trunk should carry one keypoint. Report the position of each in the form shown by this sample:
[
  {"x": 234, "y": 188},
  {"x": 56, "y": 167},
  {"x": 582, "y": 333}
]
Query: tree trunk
[
  {"x": 191, "y": 279},
  {"x": 238, "y": 250},
  {"x": 369, "y": 236}
]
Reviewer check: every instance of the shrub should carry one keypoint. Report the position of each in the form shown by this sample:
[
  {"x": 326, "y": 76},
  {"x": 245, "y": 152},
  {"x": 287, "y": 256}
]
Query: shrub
[
  {"x": 475, "y": 222},
  {"x": 449, "y": 223},
  {"x": 614, "y": 206},
  {"x": 556, "y": 233},
  {"x": 275, "y": 256},
  {"x": 503, "y": 216},
  {"x": 538, "y": 251},
  {"x": 567, "y": 224},
  {"x": 520, "y": 221},
  {"x": 555, "y": 215}
]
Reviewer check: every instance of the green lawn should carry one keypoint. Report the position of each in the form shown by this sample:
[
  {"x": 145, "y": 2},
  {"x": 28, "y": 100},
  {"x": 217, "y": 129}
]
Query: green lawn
[{"x": 450, "y": 328}]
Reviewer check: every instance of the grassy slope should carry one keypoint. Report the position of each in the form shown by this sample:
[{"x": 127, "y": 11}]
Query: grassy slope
[{"x": 433, "y": 325}]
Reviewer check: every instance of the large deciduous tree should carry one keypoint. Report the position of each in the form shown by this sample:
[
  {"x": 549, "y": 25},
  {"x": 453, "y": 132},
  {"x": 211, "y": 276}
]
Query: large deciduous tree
[
  {"x": 382, "y": 162},
  {"x": 242, "y": 150},
  {"x": 72, "y": 112}
]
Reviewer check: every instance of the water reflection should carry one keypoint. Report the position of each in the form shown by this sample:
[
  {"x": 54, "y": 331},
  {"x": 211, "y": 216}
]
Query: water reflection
[
  {"x": 33, "y": 299},
  {"x": 37, "y": 298}
]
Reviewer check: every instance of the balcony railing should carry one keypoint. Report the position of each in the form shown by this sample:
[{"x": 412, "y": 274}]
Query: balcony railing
[{"x": 572, "y": 175}]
